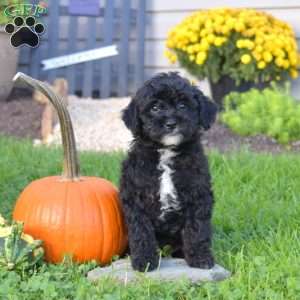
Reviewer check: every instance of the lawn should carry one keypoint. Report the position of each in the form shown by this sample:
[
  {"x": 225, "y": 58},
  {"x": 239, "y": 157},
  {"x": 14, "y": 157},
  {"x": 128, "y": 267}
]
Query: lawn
[{"x": 256, "y": 229}]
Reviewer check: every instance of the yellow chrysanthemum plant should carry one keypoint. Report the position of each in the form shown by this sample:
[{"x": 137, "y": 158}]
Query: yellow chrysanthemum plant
[{"x": 243, "y": 44}]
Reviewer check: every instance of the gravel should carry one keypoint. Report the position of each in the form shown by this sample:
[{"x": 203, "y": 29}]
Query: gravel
[
  {"x": 97, "y": 124},
  {"x": 98, "y": 127}
]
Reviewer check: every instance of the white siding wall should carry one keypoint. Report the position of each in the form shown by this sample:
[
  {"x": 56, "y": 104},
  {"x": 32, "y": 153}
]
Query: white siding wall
[{"x": 164, "y": 14}]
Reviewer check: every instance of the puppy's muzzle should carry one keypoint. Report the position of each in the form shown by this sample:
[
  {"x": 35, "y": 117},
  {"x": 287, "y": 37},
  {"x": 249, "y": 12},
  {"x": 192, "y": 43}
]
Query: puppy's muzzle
[{"x": 170, "y": 124}]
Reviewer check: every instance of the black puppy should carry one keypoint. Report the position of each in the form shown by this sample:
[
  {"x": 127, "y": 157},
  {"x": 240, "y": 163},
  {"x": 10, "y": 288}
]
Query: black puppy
[{"x": 165, "y": 184}]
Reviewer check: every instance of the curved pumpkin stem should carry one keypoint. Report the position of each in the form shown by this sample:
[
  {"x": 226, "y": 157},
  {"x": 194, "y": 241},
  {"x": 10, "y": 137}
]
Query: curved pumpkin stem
[{"x": 71, "y": 163}]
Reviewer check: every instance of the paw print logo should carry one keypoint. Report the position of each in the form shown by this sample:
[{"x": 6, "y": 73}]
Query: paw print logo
[{"x": 25, "y": 32}]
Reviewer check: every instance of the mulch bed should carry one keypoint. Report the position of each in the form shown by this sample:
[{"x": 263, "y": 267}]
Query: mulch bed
[
  {"x": 20, "y": 117},
  {"x": 225, "y": 140}
]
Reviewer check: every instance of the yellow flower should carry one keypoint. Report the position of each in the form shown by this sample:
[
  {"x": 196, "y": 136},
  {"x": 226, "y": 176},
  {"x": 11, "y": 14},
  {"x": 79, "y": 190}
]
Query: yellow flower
[
  {"x": 211, "y": 38},
  {"x": 279, "y": 52},
  {"x": 256, "y": 55},
  {"x": 258, "y": 48},
  {"x": 190, "y": 49},
  {"x": 288, "y": 47},
  {"x": 230, "y": 22},
  {"x": 259, "y": 40},
  {"x": 173, "y": 59},
  {"x": 294, "y": 73},
  {"x": 286, "y": 64},
  {"x": 278, "y": 42},
  {"x": 249, "y": 32},
  {"x": 170, "y": 56},
  {"x": 204, "y": 45},
  {"x": 192, "y": 57},
  {"x": 197, "y": 47},
  {"x": 246, "y": 59},
  {"x": 201, "y": 57},
  {"x": 218, "y": 29},
  {"x": 208, "y": 24},
  {"x": 219, "y": 19},
  {"x": 279, "y": 61},
  {"x": 193, "y": 38},
  {"x": 167, "y": 53},
  {"x": 239, "y": 26},
  {"x": 293, "y": 59},
  {"x": 219, "y": 41},
  {"x": 270, "y": 46},
  {"x": 267, "y": 56},
  {"x": 261, "y": 64},
  {"x": 240, "y": 43},
  {"x": 170, "y": 43},
  {"x": 225, "y": 29},
  {"x": 249, "y": 44},
  {"x": 204, "y": 32},
  {"x": 245, "y": 44}
]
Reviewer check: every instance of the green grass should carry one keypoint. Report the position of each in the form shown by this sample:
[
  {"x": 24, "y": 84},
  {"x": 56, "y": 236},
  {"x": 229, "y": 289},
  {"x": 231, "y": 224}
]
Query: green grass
[{"x": 256, "y": 229}]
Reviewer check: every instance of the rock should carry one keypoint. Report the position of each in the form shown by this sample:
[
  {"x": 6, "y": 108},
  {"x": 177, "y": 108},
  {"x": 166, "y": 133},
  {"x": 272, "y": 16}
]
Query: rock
[{"x": 170, "y": 269}]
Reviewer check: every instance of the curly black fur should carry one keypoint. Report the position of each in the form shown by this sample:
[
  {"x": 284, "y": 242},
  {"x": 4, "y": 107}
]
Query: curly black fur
[{"x": 166, "y": 117}]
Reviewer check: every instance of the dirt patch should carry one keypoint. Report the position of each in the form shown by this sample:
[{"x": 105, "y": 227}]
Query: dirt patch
[
  {"x": 225, "y": 140},
  {"x": 20, "y": 117}
]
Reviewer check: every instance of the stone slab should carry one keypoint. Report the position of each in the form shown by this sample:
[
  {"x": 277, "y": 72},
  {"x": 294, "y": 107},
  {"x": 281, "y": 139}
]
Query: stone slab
[{"x": 170, "y": 269}]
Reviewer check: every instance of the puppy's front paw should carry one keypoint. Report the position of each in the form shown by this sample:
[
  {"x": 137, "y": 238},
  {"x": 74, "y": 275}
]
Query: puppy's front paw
[
  {"x": 143, "y": 264},
  {"x": 206, "y": 262}
]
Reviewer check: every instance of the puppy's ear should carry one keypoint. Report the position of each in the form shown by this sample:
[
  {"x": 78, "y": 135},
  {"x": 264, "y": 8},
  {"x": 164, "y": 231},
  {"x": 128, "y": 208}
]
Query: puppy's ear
[
  {"x": 207, "y": 109},
  {"x": 131, "y": 118},
  {"x": 208, "y": 112}
]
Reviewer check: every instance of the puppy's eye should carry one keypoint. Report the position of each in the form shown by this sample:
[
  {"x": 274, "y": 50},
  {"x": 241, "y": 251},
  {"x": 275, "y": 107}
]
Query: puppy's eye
[
  {"x": 181, "y": 105},
  {"x": 155, "y": 107}
]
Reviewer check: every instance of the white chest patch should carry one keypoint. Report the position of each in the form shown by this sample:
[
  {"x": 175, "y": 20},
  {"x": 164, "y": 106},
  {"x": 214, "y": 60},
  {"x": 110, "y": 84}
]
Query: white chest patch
[{"x": 167, "y": 191}]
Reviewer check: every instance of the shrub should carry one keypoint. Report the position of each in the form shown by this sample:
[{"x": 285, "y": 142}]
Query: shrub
[
  {"x": 243, "y": 44},
  {"x": 272, "y": 111}
]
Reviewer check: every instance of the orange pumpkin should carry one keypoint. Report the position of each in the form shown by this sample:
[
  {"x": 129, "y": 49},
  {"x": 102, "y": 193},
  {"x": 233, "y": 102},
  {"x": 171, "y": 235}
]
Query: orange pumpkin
[{"x": 72, "y": 214}]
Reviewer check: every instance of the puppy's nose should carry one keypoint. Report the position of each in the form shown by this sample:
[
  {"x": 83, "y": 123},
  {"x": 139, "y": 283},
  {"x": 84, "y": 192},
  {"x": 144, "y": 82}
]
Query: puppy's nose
[{"x": 170, "y": 124}]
